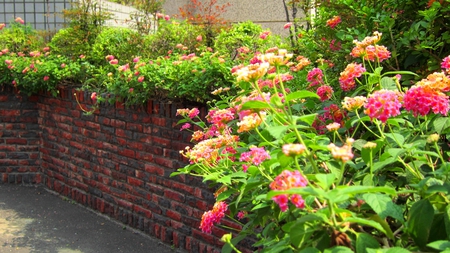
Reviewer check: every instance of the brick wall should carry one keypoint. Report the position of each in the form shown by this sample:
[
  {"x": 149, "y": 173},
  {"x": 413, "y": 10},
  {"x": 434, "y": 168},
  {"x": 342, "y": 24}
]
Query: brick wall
[
  {"x": 116, "y": 161},
  {"x": 19, "y": 138}
]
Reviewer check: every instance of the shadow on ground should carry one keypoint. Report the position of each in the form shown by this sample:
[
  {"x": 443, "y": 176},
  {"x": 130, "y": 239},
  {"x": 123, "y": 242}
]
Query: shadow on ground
[{"x": 33, "y": 220}]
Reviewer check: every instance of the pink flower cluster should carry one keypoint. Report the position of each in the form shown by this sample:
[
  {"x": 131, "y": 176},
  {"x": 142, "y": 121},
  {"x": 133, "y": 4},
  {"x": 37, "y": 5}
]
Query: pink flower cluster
[
  {"x": 325, "y": 92},
  {"x": 343, "y": 153},
  {"x": 421, "y": 99},
  {"x": 348, "y": 76},
  {"x": 285, "y": 181},
  {"x": 315, "y": 77},
  {"x": 256, "y": 156},
  {"x": 334, "y": 21},
  {"x": 383, "y": 104},
  {"x": 446, "y": 63},
  {"x": 332, "y": 114},
  {"x": 213, "y": 216}
]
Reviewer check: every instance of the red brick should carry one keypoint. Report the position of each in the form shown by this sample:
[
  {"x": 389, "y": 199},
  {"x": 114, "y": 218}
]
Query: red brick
[
  {"x": 174, "y": 195},
  {"x": 153, "y": 169},
  {"x": 173, "y": 215},
  {"x": 127, "y": 152},
  {"x": 135, "y": 182},
  {"x": 16, "y": 141},
  {"x": 164, "y": 162}
]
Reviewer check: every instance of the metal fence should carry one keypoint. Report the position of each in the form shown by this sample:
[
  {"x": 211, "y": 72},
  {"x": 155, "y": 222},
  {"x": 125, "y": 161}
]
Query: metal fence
[{"x": 40, "y": 14}]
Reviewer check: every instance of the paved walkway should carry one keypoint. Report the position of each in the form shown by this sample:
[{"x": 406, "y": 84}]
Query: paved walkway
[{"x": 33, "y": 220}]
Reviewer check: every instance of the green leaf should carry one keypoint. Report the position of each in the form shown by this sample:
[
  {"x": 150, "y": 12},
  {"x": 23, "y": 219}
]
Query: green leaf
[
  {"x": 365, "y": 241},
  {"x": 325, "y": 180},
  {"x": 383, "y": 206},
  {"x": 395, "y": 152},
  {"x": 310, "y": 250},
  {"x": 420, "y": 219},
  {"x": 439, "y": 245},
  {"x": 397, "y": 138},
  {"x": 338, "y": 249},
  {"x": 225, "y": 180},
  {"x": 366, "y": 222},
  {"x": 440, "y": 124},
  {"x": 308, "y": 119},
  {"x": 359, "y": 189},
  {"x": 300, "y": 233},
  {"x": 388, "y": 84},
  {"x": 277, "y": 131},
  {"x": 447, "y": 219},
  {"x": 255, "y": 104},
  {"x": 301, "y": 94}
]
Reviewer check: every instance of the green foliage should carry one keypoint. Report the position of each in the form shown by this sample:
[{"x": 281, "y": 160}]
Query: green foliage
[
  {"x": 70, "y": 42},
  {"x": 245, "y": 34},
  {"x": 171, "y": 34},
  {"x": 123, "y": 43},
  {"x": 19, "y": 37},
  {"x": 414, "y": 31}
]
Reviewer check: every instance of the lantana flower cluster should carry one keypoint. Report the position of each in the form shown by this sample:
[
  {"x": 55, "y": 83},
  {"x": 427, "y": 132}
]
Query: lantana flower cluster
[
  {"x": 213, "y": 216},
  {"x": 285, "y": 181}
]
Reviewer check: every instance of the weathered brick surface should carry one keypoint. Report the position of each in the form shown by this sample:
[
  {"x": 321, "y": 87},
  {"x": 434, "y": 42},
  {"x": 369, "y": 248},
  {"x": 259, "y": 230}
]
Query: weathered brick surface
[
  {"x": 117, "y": 161},
  {"x": 19, "y": 138}
]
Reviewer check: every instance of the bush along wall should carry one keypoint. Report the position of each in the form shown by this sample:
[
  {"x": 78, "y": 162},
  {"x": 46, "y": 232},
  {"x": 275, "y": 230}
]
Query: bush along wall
[
  {"x": 19, "y": 138},
  {"x": 117, "y": 161}
]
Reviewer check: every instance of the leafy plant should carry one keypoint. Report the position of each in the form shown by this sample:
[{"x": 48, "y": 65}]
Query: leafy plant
[{"x": 303, "y": 170}]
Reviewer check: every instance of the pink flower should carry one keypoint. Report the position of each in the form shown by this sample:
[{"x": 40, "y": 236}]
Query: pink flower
[
  {"x": 256, "y": 156},
  {"x": 193, "y": 113},
  {"x": 383, "y": 104},
  {"x": 287, "y": 25},
  {"x": 199, "y": 38},
  {"x": 131, "y": 90},
  {"x": 19, "y": 20},
  {"x": 94, "y": 97},
  {"x": 63, "y": 65},
  {"x": 167, "y": 17},
  {"x": 141, "y": 79},
  {"x": 82, "y": 56},
  {"x": 315, "y": 77},
  {"x": 213, "y": 216},
  {"x": 136, "y": 59},
  {"x": 2, "y": 25},
  {"x": 292, "y": 149},
  {"x": 335, "y": 46},
  {"x": 325, "y": 92},
  {"x": 241, "y": 215},
  {"x": 282, "y": 201},
  {"x": 185, "y": 126},
  {"x": 422, "y": 99},
  {"x": 376, "y": 53},
  {"x": 343, "y": 153},
  {"x": 348, "y": 76},
  {"x": 114, "y": 62},
  {"x": 445, "y": 62},
  {"x": 109, "y": 58},
  {"x": 285, "y": 181},
  {"x": 333, "y": 22},
  {"x": 159, "y": 15},
  {"x": 264, "y": 35},
  {"x": 46, "y": 49},
  {"x": 46, "y": 78},
  {"x": 8, "y": 62}
]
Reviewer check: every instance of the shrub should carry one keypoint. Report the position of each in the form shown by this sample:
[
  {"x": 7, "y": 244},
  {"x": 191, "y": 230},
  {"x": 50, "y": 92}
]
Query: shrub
[
  {"x": 169, "y": 35},
  {"x": 19, "y": 37},
  {"x": 244, "y": 35},
  {"x": 123, "y": 43},
  {"x": 69, "y": 42}
]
